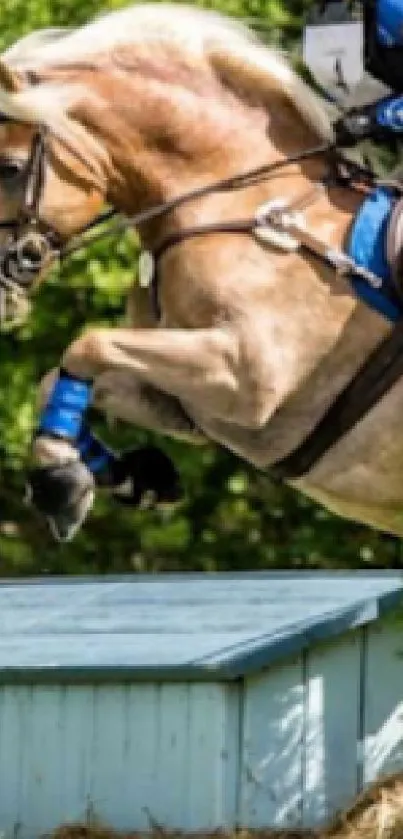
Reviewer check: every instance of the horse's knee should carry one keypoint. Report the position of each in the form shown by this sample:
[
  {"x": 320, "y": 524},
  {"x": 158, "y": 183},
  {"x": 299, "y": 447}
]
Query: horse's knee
[{"x": 87, "y": 353}]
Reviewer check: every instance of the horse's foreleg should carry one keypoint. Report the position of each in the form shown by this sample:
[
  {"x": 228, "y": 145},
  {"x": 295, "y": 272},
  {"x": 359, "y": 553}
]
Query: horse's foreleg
[
  {"x": 62, "y": 486},
  {"x": 202, "y": 368}
]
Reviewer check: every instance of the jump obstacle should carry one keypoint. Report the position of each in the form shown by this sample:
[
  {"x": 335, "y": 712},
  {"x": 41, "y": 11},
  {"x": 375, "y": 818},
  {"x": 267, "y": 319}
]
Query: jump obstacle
[{"x": 196, "y": 702}]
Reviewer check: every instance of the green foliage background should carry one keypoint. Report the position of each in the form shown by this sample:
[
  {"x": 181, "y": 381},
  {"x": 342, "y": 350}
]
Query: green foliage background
[{"x": 232, "y": 517}]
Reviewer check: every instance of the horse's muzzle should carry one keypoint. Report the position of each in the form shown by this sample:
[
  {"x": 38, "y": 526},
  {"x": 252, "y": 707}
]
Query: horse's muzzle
[{"x": 22, "y": 261}]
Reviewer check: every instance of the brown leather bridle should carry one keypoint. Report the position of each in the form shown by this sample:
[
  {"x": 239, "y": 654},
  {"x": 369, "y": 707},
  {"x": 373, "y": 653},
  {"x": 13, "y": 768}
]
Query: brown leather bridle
[
  {"x": 34, "y": 244},
  {"x": 28, "y": 248}
]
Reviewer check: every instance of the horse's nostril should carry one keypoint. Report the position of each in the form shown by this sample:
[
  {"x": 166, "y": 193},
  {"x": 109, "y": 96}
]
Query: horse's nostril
[
  {"x": 32, "y": 251},
  {"x": 31, "y": 256}
]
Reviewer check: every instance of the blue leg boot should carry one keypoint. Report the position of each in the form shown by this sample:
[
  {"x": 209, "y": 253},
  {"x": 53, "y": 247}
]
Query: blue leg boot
[{"x": 64, "y": 493}]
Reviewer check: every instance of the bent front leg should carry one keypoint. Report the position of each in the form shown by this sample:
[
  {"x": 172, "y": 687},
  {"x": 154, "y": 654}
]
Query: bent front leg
[
  {"x": 203, "y": 368},
  {"x": 121, "y": 395},
  {"x": 72, "y": 460},
  {"x": 178, "y": 362}
]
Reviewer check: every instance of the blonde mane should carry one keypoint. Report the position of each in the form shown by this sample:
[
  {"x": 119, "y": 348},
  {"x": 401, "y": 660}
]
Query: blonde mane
[{"x": 231, "y": 49}]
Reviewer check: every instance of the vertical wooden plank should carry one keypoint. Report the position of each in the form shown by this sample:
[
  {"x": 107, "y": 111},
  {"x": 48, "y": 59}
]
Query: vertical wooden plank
[
  {"x": 42, "y": 778},
  {"x": 332, "y": 719},
  {"x": 25, "y": 703},
  {"x": 12, "y": 744},
  {"x": 231, "y": 752},
  {"x": 75, "y": 758},
  {"x": 383, "y": 701},
  {"x": 206, "y": 762},
  {"x": 141, "y": 754},
  {"x": 107, "y": 755},
  {"x": 271, "y": 761},
  {"x": 171, "y": 777}
]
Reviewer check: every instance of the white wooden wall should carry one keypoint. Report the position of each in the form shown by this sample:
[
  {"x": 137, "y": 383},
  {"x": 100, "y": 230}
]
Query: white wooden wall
[
  {"x": 128, "y": 755},
  {"x": 321, "y": 726},
  {"x": 286, "y": 747}
]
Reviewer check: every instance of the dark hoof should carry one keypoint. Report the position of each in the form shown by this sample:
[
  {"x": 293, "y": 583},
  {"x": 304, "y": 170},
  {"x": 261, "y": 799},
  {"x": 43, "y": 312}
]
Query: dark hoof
[
  {"x": 147, "y": 473},
  {"x": 64, "y": 494}
]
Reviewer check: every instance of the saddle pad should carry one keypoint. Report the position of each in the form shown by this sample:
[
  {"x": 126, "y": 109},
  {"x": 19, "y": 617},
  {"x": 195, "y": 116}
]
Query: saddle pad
[
  {"x": 394, "y": 244},
  {"x": 367, "y": 246}
]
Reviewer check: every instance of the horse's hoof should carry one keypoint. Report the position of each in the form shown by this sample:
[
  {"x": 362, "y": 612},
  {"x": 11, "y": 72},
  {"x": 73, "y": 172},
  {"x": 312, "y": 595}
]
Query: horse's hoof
[
  {"x": 146, "y": 476},
  {"x": 64, "y": 494}
]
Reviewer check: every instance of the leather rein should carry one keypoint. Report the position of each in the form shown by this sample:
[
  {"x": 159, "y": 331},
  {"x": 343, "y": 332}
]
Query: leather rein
[{"x": 33, "y": 245}]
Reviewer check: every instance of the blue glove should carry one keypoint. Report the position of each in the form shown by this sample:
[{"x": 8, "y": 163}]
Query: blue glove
[{"x": 381, "y": 122}]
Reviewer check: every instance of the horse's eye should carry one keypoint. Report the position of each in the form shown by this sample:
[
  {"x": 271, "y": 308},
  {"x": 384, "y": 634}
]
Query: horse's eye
[{"x": 10, "y": 169}]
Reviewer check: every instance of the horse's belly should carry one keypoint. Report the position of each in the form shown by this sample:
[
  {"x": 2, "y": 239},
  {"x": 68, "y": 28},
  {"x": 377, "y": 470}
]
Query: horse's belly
[
  {"x": 386, "y": 516},
  {"x": 360, "y": 478}
]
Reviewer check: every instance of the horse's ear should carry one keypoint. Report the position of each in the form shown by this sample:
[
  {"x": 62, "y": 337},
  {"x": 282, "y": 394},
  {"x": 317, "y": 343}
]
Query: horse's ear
[{"x": 10, "y": 80}]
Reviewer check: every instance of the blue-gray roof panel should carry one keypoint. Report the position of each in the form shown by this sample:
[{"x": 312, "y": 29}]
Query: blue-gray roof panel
[{"x": 178, "y": 626}]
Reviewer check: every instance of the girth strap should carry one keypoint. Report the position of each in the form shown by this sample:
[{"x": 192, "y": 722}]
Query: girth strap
[{"x": 382, "y": 369}]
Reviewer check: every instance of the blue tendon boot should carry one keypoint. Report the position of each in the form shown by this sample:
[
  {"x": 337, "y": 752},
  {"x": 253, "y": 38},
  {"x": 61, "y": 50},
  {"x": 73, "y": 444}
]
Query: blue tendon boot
[
  {"x": 135, "y": 475},
  {"x": 64, "y": 493}
]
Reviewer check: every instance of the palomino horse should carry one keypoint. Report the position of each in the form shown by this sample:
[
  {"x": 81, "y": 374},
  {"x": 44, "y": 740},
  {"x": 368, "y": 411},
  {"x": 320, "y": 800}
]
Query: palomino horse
[{"x": 251, "y": 337}]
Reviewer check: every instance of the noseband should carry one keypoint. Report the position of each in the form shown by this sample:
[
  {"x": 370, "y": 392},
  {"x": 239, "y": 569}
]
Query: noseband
[{"x": 29, "y": 248}]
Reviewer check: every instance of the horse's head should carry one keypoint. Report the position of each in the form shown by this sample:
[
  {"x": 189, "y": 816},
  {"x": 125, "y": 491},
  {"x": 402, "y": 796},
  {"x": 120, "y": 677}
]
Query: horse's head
[
  {"x": 135, "y": 108},
  {"x": 51, "y": 187}
]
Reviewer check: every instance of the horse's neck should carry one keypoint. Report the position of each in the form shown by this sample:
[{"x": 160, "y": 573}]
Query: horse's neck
[{"x": 167, "y": 130}]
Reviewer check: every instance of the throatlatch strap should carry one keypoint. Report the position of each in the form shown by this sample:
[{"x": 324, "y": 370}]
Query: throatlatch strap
[{"x": 378, "y": 374}]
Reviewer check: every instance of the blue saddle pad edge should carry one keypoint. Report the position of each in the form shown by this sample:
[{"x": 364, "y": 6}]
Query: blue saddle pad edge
[{"x": 367, "y": 247}]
